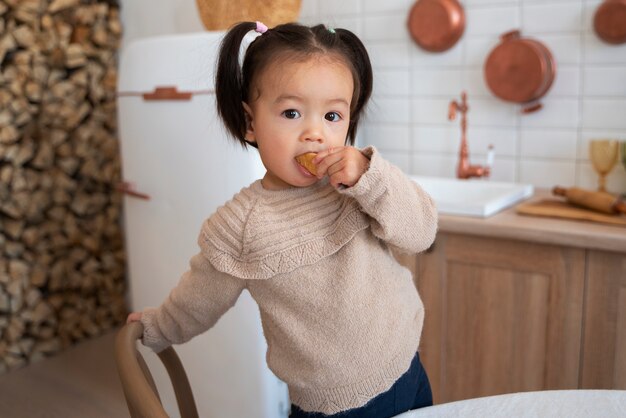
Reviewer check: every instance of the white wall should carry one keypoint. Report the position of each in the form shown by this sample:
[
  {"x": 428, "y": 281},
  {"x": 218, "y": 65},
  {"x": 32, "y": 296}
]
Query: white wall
[
  {"x": 145, "y": 18},
  {"x": 407, "y": 119}
]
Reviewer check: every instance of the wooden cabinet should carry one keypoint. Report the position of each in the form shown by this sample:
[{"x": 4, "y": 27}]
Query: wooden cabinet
[
  {"x": 604, "y": 335},
  {"x": 508, "y": 316}
]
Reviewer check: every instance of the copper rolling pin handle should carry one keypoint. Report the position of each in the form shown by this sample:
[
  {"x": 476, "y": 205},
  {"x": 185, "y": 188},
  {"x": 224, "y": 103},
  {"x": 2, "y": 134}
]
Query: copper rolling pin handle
[
  {"x": 599, "y": 201},
  {"x": 129, "y": 189},
  {"x": 619, "y": 206}
]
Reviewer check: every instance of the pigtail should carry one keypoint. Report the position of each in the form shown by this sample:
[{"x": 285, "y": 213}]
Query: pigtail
[
  {"x": 363, "y": 67},
  {"x": 229, "y": 89}
]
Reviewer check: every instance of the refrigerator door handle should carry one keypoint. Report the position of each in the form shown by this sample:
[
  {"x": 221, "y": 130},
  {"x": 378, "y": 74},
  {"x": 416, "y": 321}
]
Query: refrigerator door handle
[
  {"x": 167, "y": 93},
  {"x": 129, "y": 189}
]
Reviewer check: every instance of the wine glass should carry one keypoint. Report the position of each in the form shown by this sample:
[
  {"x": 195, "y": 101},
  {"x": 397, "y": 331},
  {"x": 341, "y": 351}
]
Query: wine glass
[{"x": 603, "y": 154}]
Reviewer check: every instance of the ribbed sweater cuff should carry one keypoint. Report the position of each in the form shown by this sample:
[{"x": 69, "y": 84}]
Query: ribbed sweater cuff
[
  {"x": 152, "y": 338},
  {"x": 372, "y": 183}
]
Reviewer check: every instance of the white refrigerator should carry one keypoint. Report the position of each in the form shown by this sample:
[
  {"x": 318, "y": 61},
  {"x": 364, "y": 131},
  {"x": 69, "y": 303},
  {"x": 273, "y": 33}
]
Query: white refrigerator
[{"x": 178, "y": 166}]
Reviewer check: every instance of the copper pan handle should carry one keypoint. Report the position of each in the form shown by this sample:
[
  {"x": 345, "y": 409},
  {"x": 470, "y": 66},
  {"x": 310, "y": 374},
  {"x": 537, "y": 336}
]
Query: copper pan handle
[
  {"x": 129, "y": 189},
  {"x": 531, "y": 108},
  {"x": 510, "y": 35}
]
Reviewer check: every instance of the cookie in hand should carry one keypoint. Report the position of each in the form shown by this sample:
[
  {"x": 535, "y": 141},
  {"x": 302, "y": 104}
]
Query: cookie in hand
[{"x": 306, "y": 161}]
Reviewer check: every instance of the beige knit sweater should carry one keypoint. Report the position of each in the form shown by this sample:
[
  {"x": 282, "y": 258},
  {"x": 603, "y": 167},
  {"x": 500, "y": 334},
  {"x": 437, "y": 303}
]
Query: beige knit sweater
[{"x": 341, "y": 317}]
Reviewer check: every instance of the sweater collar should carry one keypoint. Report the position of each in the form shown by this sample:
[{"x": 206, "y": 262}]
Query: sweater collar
[
  {"x": 289, "y": 193},
  {"x": 262, "y": 233}
]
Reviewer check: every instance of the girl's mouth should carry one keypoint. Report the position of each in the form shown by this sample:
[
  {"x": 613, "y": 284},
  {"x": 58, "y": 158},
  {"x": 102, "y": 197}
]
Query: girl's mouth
[
  {"x": 304, "y": 171},
  {"x": 305, "y": 163}
]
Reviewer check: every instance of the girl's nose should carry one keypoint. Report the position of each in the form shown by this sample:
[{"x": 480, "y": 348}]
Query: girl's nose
[{"x": 313, "y": 132}]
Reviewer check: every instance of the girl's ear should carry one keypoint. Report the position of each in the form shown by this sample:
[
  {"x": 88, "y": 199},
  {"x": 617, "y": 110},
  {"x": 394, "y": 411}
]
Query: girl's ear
[{"x": 250, "y": 135}]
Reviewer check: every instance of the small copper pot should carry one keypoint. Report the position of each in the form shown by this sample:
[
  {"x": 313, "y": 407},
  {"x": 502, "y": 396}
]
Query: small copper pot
[
  {"x": 520, "y": 70},
  {"x": 436, "y": 25},
  {"x": 609, "y": 22}
]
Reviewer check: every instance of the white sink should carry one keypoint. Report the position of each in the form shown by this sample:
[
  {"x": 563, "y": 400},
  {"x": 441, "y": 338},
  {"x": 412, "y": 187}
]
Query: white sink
[{"x": 475, "y": 197}]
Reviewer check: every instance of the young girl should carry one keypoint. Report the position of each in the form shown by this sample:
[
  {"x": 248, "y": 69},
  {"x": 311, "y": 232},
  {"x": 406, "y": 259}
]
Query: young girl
[{"x": 341, "y": 317}]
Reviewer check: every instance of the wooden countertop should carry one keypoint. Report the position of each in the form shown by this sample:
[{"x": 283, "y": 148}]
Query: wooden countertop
[{"x": 508, "y": 224}]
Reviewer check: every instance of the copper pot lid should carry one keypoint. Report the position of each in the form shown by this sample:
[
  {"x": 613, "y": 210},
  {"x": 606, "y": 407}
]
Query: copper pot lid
[
  {"x": 519, "y": 70},
  {"x": 436, "y": 25},
  {"x": 609, "y": 21}
]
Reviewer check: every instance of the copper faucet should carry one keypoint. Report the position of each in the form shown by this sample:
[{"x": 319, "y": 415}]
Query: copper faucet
[{"x": 464, "y": 169}]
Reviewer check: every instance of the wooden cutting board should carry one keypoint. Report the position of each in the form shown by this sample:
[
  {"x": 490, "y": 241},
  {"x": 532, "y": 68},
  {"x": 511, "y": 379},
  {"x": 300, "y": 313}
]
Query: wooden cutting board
[{"x": 559, "y": 209}]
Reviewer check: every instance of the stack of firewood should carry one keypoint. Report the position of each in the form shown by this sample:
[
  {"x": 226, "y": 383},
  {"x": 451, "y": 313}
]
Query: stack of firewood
[{"x": 61, "y": 247}]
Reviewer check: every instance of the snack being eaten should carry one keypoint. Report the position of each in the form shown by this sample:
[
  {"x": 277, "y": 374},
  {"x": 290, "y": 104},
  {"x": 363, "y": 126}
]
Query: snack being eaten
[{"x": 306, "y": 161}]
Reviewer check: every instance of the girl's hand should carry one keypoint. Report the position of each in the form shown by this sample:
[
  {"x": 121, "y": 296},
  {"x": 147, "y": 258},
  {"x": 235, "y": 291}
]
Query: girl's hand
[
  {"x": 344, "y": 165},
  {"x": 133, "y": 317}
]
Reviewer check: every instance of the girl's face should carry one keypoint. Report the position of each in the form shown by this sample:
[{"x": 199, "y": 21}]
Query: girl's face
[{"x": 298, "y": 107}]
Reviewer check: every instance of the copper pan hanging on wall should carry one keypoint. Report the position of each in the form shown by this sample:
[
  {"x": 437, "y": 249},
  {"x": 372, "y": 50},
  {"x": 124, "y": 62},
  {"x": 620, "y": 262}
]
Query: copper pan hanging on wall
[
  {"x": 609, "y": 21},
  {"x": 436, "y": 25},
  {"x": 520, "y": 70}
]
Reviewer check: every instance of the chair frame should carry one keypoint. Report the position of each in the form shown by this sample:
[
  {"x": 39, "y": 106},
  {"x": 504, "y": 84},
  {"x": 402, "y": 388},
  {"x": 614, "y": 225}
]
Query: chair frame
[{"x": 142, "y": 396}]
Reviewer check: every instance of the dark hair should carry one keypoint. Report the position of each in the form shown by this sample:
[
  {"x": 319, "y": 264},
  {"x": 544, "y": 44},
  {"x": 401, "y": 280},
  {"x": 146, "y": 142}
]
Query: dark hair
[{"x": 232, "y": 81}]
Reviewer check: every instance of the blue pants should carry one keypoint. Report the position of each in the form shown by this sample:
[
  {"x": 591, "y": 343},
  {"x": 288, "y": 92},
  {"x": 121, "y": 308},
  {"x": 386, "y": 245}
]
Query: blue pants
[{"x": 410, "y": 391}]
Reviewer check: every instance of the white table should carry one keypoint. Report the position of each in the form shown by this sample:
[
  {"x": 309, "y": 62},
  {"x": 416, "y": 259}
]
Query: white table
[{"x": 552, "y": 403}]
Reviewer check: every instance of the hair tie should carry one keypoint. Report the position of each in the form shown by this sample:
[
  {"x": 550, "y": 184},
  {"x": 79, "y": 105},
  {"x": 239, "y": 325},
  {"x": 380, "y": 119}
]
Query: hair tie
[
  {"x": 331, "y": 30},
  {"x": 260, "y": 27}
]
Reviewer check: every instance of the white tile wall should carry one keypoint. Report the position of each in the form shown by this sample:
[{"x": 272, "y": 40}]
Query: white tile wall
[
  {"x": 604, "y": 81},
  {"x": 436, "y": 82},
  {"x": 391, "y": 137},
  {"x": 389, "y": 110},
  {"x": 450, "y": 58},
  {"x": 604, "y": 113},
  {"x": 477, "y": 49},
  {"x": 556, "y": 113},
  {"x": 549, "y": 143},
  {"x": 492, "y": 20},
  {"x": 373, "y": 7},
  {"x": 487, "y": 111},
  {"x": 389, "y": 54},
  {"x": 407, "y": 119},
  {"x": 547, "y": 173},
  {"x": 504, "y": 140},
  {"x": 554, "y": 17},
  {"x": 567, "y": 82},
  {"x": 489, "y": 2},
  {"x": 392, "y": 82},
  {"x": 386, "y": 27},
  {"x": 430, "y": 110},
  {"x": 334, "y": 7},
  {"x": 435, "y": 139}
]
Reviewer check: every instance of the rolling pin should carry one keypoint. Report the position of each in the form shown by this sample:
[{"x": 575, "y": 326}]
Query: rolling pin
[{"x": 598, "y": 201}]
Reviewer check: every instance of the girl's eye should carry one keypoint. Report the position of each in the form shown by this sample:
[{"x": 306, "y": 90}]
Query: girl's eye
[
  {"x": 291, "y": 114},
  {"x": 333, "y": 116}
]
